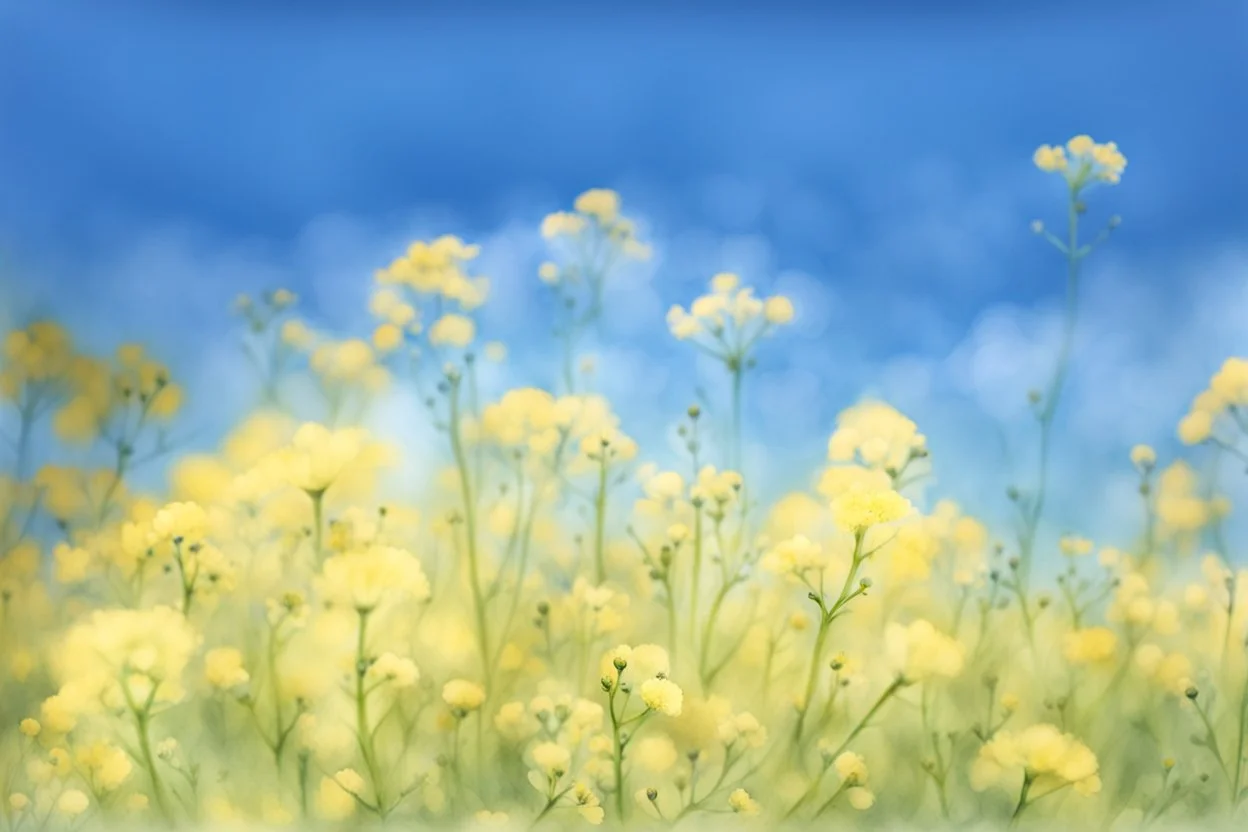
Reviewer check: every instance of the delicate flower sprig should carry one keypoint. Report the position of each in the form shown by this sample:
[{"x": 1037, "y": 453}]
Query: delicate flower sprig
[
  {"x": 727, "y": 323},
  {"x": 589, "y": 244}
]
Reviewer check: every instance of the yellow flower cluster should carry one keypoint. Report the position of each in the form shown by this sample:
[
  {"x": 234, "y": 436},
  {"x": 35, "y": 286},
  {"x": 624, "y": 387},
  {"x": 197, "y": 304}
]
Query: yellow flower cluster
[
  {"x": 1047, "y": 758},
  {"x": 131, "y": 388},
  {"x": 730, "y": 318},
  {"x": 1082, "y": 161},
  {"x": 1226, "y": 395},
  {"x": 436, "y": 273},
  {"x": 876, "y": 435},
  {"x": 120, "y": 659},
  {"x": 594, "y": 222}
]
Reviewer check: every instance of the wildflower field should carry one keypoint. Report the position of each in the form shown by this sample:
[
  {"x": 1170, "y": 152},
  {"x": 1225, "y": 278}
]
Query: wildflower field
[{"x": 568, "y": 627}]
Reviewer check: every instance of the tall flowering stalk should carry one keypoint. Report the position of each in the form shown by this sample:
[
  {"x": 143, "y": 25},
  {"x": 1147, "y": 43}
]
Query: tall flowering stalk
[
  {"x": 588, "y": 244},
  {"x": 1083, "y": 164}
]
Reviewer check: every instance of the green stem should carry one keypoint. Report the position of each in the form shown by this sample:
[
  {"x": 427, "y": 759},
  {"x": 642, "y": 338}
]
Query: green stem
[
  {"x": 618, "y": 758},
  {"x": 812, "y": 676},
  {"x": 1022, "y": 798},
  {"x": 888, "y": 693},
  {"x": 361, "y": 711},
  {"x": 707, "y": 630},
  {"x": 318, "y": 522},
  {"x": 304, "y": 761},
  {"x": 671, "y": 621},
  {"x": 149, "y": 760},
  {"x": 279, "y": 731},
  {"x": 696, "y": 569},
  {"x": 826, "y": 616},
  {"x": 600, "y": 519},
  {"x": 827, "y": 804},
  {"x": 738, "y": 374},
  {"x": 470, "y": 530},
  {"x": 1027, "y": 543},
  {"x": 1239, "y": 746}
]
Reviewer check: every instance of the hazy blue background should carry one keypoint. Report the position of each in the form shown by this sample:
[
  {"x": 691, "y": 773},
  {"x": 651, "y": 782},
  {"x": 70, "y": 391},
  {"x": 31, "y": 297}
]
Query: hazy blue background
[{"x": 870, "y": 158}]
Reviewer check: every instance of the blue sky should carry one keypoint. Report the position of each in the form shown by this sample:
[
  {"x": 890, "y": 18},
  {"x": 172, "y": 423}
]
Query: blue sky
[{"x": 871, "y": 158}]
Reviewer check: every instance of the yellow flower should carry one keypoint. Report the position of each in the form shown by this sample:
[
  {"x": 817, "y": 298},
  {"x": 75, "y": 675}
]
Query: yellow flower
[
  {"x": 876, "y": 434},
  {"x": 1080, "y": 146},
  {"x": 920, "y": 652},
  {"x": 587, "y": 803},
  {"x": 562, "y": 224},
  {"x": 851, "y": 768},
  {"x": 725, "y": 283},
  {"x": 387, "y": 337},
  {"x": 599, "y": 203},
  {"x": 1088, "y": 161},
  {"x": 223, "y": 667},
  {"x": 1195, "y": 427},
  {"x": 1074, "y": 546},
  {"x": 452, "y": 330},
  {"x": 662, "y": 695},
  {"x": 118, "y": 656},
  {"x": 1143, "y": 457},
  {"x": 655, "y": 754},
  {"x": 551, "y": 759},
  {"x": 398, "y": 671},
  {"x": 778, "y": 310},
  {"x": 1051, "y": 758},
  {"x": 1092, "y": 645},
  {"x": 495, "y": 351},
  {"x": 794, "y": 557},
  {"x": 462, "y": 695},
  {"x": 106, "y": 767},
  {"x": 72, "y": 803},
  {"x": 1050, "y": 159},
  {"x": 30, "y": 727},
  {"x": 857, "y": 510},
  {"x": 548, "y": 273},
  {"x": 744, "y": 728},
  {"x": 642, "y": 662},
  {"x": 365, "y": 578},
  {"x": 72, "y": 563},
  {"x": 334, "y": 801},
  {"x": 179, "y": 523},
  {"x": 18, "y": 802},
  {"x": 741, "y": 803}
]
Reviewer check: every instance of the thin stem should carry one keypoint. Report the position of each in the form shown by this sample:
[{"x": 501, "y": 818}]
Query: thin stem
[
  {"x": 318, "y": 522},
  {"x": 618, "y": 746},
  {"x": 826, "y": 617},
  {"x": 738, "y": 373},
  {"x": 600, "y": 518},
  {"x": 1073, "y": 258},
  {"x": 812, "y": 676},
  {"x": 696, "y": 570},
  {"x": 361, "y": 710},
  {"x": 1028, "y": 779},
  {"x": 470, "y": 529},
  {"x": 142, "y": 717}
]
